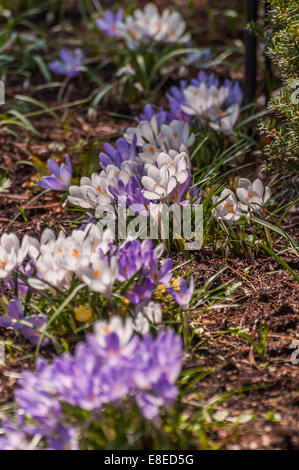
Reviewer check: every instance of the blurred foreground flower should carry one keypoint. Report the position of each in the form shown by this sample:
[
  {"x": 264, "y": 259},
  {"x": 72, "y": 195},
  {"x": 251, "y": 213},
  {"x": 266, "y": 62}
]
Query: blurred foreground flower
[
  {"x": 30, "y": 327},
  {"x": 111, "y": 368}
]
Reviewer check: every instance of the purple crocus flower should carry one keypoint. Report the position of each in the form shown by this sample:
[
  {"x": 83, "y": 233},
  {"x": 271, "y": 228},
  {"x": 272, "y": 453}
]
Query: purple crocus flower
[
  {"x": 123, "y": 152},
  {"x": 23, "y": 288},
  {"x": 176, "y": 98},
  {"x": 15, "y": 437},
  {"x": 135, "y": 256},
  {"x": 199, "y": 58},
  {"x": 14, "y": 313},
  {"x": 108, "y": 24},
  {"x": 235, "y": 94},
  {"x": 38, "y": 322},
  {"x": 15, "y": 319},
  {"x": 162, "y": 275},
  {"x": 176, "y": 95},
  {"x": 70, "y": 65},
  {"x": 183, "y": 295},
  {"x": 138, "y": 203},
  {"x": 142, "y": 293},
  {"x": 61, "y": 176},
  {"x": 145, "y": 368},
  {"x": 63, "y": 439},
  {"x": 149, "y": 112}
]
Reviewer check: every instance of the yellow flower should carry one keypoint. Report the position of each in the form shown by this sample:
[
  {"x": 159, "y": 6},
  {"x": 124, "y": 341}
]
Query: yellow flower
[
  {"x": 175, "y": 282},
  {"x": 122, "y": 310},
  {"x": 83, "y": 314},
  {"x": 160, "y": 291}
]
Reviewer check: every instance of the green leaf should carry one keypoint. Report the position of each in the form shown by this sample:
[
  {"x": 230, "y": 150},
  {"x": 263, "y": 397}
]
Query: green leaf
[{"x": 278, "y": 230}]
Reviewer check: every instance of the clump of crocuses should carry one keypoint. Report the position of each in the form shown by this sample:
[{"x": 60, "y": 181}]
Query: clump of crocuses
[{"x": 113, "y": 367}]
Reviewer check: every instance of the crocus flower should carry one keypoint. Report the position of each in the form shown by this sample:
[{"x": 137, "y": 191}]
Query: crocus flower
[
  {"x": 105, "y": 369},
  {"x": 123, "y": 152},
  {"x": 253, "y": 196},
  {"x": 224, "y": 120},
  {"x": 227, "y": 207},
  {"x": 149, "y": 25},
  {"x": 15, "y": 319},
  {"x": 12, "y": 253},
  {"x": 70, "y": 65},
  {"x": 183, "y": 294},
  {"x": 149, "y": 112},
  {"x": 26, "y": 270},
  {"x": 15, "y": 437},
  {"x": 109, "y": 24},
  {"x": 61, "y": 176},
  {"x": 199, "y": 58},
  {"x": 14, "y": 313}
]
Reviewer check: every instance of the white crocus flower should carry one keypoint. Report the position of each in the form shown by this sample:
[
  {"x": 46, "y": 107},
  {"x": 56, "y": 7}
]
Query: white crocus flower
[
  {"x": 99, "y": 276},
  {"x": 159, "y": 182},
  {"x": 56, "y": 260},
  {"x": 146, "y": 132},
  {"x": 154, "y": 139},
  {"x": 12, "y": 253},
  {"x": 153, "y": 312},
  {"x": 150, "y": 153},
  {"x": 177, "y": 164},
  {"x": 113, "y": 173},
  {"x": 92, "y": 192},
  {"x": 141, "y": 324},
  {"x": 226, "y": 207},
  {"x": 175, "y": 135},
  {"x": 99, "y": 239},
  {"x": 76, "y": 251},
  {"x": 49, "y": 261},
  {"x": 200, "y": 99},
  {"x": 147, "y": 24},
  {"x": 224, "y": 121},
  {"x": 123, "y": 329},
  {"x": 126, "y": 70},
  {"x": 253, "y": 196}
]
